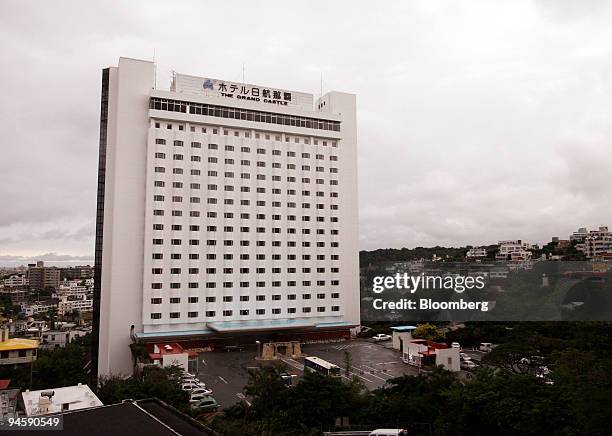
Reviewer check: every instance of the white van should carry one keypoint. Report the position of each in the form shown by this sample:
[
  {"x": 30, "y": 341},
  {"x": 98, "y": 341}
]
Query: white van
[{"x": 389, "y": 432}]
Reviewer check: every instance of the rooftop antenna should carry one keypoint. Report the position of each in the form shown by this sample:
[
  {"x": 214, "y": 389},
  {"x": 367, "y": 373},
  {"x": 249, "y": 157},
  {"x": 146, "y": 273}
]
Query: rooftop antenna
[
  {"x": 154, "y": 70},
  {"x": 321, "y": 95}
]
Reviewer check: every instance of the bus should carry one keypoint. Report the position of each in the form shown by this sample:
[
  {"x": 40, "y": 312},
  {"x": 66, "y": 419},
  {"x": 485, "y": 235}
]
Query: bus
[{"x": 316, "y": 364}]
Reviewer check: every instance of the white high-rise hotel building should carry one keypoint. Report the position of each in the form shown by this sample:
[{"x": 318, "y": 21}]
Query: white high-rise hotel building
[{"x": 227, "y": 213}]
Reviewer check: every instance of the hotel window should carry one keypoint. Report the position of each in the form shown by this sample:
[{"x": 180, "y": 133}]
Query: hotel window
[
  {"x": 160, "y": 141},
  {"x": 211, "y": 299},
  {"x": 156, "y": 301},
  {"x": 306, "y": 309},
  {"x": 291, "y": 310},
  {"x": 192, "y": 314},
  {"x": 260, "y": 311},
  {"x": 210, "y": 313},
  {"x": 196, "y": 145},
  {"x": 156, "y": 285},
  {"x": 155, "y": 315},
  {"x": 160, "y": 169},
  {"x": 335, "y": 308},
  {"x": 178, "y": 143},
  {"x": 244, "y": 312},
  {"x": 213, "y": 146},
  {"x": 227, "y": 313},
  {"x": 175, "y": 315},
  {"x": 175, "y": 300}
]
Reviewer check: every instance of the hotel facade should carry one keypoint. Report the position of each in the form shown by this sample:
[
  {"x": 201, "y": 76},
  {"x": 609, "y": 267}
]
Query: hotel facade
[{"x": 227, "y": 213}]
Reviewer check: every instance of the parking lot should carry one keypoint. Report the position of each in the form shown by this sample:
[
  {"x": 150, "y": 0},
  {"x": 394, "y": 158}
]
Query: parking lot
[{"x": 226, "y": 373}]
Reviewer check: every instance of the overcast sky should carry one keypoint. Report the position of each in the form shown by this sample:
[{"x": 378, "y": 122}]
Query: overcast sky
[{"x": 478, "y": 120}]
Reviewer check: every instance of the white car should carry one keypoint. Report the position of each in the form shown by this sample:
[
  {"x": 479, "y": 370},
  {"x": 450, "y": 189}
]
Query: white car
[
  {"x": 464, "y": 356},
  {"x": 199, "y": 396},
  {"x": 456, "y": 345},
  {"x": 381, "y": 337},
  {"x": 468, "y": 364},
  {"x": 190, "y": 386},
  {"x": 201, "y": 389}
]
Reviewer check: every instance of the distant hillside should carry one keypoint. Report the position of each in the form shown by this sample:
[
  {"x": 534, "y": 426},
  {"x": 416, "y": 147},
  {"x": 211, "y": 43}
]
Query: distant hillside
[{"x": 406, "y": 254}]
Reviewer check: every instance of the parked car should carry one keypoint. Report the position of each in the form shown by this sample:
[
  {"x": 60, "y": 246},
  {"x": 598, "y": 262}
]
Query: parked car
[
  {"x": 191, "y": 385},
  {"x": 456, "y": 345},
  {"x": 201, "y": 391},
  {"x": 389, "y": 432},
  {"x": 468, "y": 364},
  {"x": 381, "y": 337},
  {"x": 206, "y": 404},
  {"x": 464, "y": 356},
  {"x": 196, "y": 398},
  {"x": 287, "y": 378},
  {"x": 485, "y": 346}
]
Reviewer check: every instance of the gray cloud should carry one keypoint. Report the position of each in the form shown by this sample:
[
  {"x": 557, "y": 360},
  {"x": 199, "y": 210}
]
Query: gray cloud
[{"x": 477, "y": 121}]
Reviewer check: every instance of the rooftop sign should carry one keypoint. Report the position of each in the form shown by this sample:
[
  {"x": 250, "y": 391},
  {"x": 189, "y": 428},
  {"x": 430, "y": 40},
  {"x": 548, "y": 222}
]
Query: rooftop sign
[{"x": 241, "y": 91}]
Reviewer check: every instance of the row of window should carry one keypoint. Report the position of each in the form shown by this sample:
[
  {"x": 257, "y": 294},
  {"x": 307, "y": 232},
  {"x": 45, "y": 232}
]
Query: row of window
[
  {"x": 246, "y": 149},
  {"x": 244, "y": 312},
  {"x": 245, "y": 176},
  {"x": 242, "y": 298},
  {"x": 210, "y": 110},
  {"x": 246, "y": 134},
  {"x": 243, "y": 202},
  {"x": 230, "y": 285},
  {"x": 244, "y": 256},
  {"x": 230, "y": 242},
  {"x": 245, "y": 162}
]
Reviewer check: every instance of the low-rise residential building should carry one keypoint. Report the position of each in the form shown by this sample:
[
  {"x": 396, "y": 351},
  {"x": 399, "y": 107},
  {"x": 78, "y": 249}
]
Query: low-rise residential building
[
  {"x": 57, "y": 400},
  {"x": 16, "y": 351},
  {"x": 16, "y": 281},
  {"x": 79, "y": 303},
  {"x": 37, "y": 307},
  {"x": 476, "y": 253},
  {"x": 579, "y": 235},
  {"x": 597, "y": 243},
  {"x": 60, "y": 338},
  {"x": 515, "y": 250}
]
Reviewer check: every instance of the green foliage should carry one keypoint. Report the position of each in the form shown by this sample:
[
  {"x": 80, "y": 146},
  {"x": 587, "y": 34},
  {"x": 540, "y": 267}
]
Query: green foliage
[
  {"x": 155, "y": 382},
  {"x": 429, "y": 332},
  {"x": 498, "y": 399}
]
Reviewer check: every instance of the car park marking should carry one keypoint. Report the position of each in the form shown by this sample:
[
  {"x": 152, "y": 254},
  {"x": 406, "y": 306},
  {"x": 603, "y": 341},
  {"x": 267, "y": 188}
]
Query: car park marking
[
  {"x": 243, "y": 398},
  {"x": 293, "y": 364},
  {"x": 223, "y": 380},
  {"x": 370, "y": 374}
]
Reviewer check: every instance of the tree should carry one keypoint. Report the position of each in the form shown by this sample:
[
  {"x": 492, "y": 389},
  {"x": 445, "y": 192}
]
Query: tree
[
  {"x": 348, "y": 362},
  {"x": 161, "y": 383},
  {"x": 429, "y": 332},
  {"x": 513, "y": 356}
]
